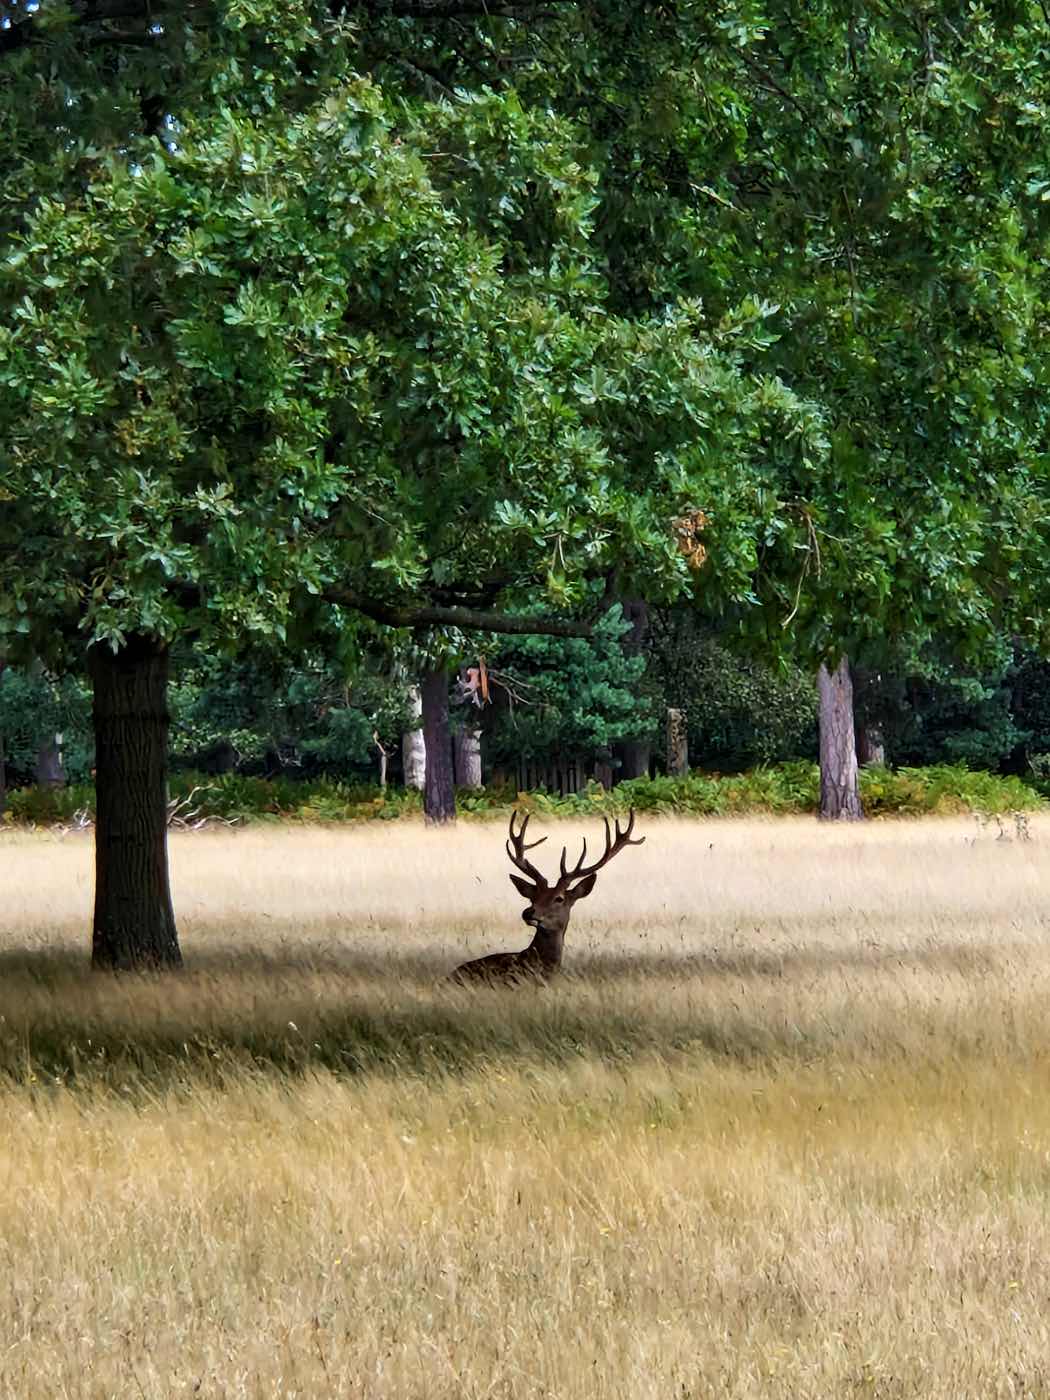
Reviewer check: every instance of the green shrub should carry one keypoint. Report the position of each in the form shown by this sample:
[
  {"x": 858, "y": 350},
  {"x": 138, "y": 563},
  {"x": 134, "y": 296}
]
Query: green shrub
[
  {"x": 50, "y": 806},
  {"x": 241, "y": 798},
  {"x": 781, "y": 789},
  {"x": 942, "y": 789}
]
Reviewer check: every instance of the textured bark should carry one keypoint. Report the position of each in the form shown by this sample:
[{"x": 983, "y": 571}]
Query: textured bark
[
  {"x": 466, "y": 747},
  {"x": 839, "y": 789},
  {"x": 413, "y": 747},
  {"x": 49, "y": 770},
  {"x": 677, "y": 744},
  {"x": 439, "y": 794},
  {"x": 134, "y": 926}
]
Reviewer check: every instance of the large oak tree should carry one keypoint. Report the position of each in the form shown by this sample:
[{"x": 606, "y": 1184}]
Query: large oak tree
[{"x": 287, "y": 351}]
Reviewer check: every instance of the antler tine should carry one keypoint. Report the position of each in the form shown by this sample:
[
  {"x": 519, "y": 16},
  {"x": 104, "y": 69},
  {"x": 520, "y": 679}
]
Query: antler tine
[
  {"x": 612, "y": 846},
  {"x": 517, "y": 846},
  {"x": 565, "y": 874},
  {"x": 520, "y": 838},
  {"x": 623, "y": 838}
]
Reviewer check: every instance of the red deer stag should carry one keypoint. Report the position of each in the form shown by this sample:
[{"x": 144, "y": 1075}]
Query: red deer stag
[{"x": 549, "y": 907}]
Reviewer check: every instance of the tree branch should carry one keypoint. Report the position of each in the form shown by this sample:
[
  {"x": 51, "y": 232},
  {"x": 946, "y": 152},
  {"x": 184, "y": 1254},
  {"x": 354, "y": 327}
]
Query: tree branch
[
  {"x": 23, "y": 29},
  {"x": 454, "y": 9},
  {"x": 468, "y": 619}
]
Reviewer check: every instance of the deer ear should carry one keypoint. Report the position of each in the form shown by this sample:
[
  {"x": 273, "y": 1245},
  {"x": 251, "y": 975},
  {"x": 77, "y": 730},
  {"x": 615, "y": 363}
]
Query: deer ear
[
  {"x": 523, "y": 887},
  {"x": 583, "y": 889}
]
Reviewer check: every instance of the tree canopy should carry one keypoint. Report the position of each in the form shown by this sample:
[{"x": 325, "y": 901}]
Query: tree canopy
[
  {"x": 311, "y": 342},
  {"x": 412, "y": 313}
]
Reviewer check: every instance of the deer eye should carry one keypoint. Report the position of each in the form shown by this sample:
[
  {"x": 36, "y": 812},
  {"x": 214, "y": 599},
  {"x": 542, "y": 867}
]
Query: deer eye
[{"x": 559, "y": 899}]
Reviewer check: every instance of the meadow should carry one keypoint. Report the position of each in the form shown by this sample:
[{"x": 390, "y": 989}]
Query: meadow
[{"x": 783, "y": 1129}]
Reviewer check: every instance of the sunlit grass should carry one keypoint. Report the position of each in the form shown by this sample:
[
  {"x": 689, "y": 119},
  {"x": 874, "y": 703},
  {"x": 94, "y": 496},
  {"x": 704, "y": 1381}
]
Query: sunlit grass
[{"x": 783, "y": 1130}]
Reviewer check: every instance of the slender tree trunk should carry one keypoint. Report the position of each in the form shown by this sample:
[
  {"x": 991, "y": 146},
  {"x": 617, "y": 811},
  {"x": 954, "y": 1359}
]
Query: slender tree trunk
[
  {"x": 439, "y": 795},
  {"x": 134, "y": 925},
  {"x": 635, "y": 758},
  {"x": 49, "y": 770},
  {"x": 466, "y": 747},
  {"x": 413, "y": 746},
  {"x": 871, "y": 746},
  {"x": 467, "y": 753},
  {"x": 677, "y": 744},
  {"x": 839, "y": 789}
]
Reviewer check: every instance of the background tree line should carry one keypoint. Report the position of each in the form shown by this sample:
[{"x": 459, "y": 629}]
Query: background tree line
[{"x": 561, "y": 713}]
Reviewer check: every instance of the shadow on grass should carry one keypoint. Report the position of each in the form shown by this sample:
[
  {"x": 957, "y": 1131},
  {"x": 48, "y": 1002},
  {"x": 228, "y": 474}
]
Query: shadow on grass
[
  {"x": 51, "y": 966},
  {"x": 237, "y": 1011}
]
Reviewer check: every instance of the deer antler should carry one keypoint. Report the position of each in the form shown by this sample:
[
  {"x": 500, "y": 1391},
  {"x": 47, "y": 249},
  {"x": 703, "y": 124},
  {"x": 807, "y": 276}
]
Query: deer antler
[
  {"x": 516, "y": 849},
  {"x": 612, "y": 846}
]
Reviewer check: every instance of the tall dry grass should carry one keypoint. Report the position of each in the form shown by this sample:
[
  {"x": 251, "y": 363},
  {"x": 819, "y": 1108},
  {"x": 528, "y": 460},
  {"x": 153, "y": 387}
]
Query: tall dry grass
[{"x": 783, "y": 1131}]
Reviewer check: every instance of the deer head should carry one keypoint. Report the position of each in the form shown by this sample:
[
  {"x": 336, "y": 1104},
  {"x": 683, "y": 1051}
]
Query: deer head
[{"x": 550, "y": 905}]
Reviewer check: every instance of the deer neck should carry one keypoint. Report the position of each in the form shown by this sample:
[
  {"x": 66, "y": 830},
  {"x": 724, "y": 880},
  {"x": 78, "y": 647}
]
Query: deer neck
[{"x": 546, "y": 947}]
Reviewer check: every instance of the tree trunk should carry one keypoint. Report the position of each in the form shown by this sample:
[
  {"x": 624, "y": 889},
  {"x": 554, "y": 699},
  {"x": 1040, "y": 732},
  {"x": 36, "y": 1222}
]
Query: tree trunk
[
  {"x": 677, "y": 744},
  {"x": 134, "y": 924},
  {"x": 867, "y": 722},
  {"x": 467, "y": 754},
  {"x": 439, "y": 794},
  {"x": 413, "y": 746},
  {"x": 839, "y": 790},
  {"x": 871, "y": 746},
  {"x": 49, "y": 771},
  {"x": 603, "y": 773},
  {"x": 466, "y": 746},
  {"x": 635, "y": 758}
]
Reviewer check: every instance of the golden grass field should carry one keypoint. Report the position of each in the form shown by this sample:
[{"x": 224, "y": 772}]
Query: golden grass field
[{"x": 784, "y": 1130}]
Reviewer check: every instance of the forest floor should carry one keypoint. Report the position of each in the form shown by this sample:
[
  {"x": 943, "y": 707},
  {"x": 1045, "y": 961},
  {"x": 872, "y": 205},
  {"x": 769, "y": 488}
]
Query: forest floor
[{"x": 784, "y": 1130}]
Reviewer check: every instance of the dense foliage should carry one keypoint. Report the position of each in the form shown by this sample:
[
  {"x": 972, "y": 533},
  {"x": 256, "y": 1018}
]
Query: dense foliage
[
  {"x": 568, "y": 699},
  {"x": 784, "y": 789},
  {"x": 739, "y": 711},
  {"x": 331, "y": 330},
  {"x": 316, "y": 341},
  {"x": 36, "y": 707}
]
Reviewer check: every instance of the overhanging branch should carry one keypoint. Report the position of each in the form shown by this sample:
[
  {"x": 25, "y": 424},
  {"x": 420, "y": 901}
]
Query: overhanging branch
[
  {"x": 467, "y": 619},
  {"x": 437, "y": 10},
  {"x": 22, "y": 27}
]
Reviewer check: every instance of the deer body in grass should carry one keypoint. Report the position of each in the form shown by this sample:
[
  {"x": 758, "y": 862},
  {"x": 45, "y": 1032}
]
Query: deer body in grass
[{"x": 549, "y": 907}]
